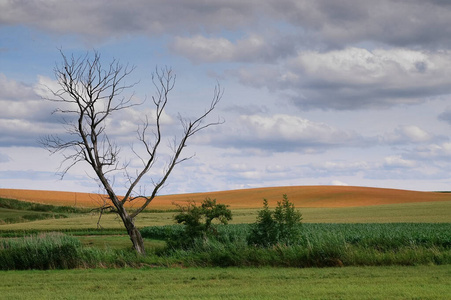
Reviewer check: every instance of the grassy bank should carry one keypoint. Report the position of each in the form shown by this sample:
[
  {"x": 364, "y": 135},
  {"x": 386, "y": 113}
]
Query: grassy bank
[{"x": 419, "y": 282}]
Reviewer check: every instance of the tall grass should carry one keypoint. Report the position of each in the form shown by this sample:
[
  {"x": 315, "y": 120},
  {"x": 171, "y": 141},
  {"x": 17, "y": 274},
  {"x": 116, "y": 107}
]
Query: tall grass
[
  {"x": 56, "y": 250},
  {"x": 320, "y": 245},
  {"x": 44, "y": 251},
  {"x": 388, "y": 236}
]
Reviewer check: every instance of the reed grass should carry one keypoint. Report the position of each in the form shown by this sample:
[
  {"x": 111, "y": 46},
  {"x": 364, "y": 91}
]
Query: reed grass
[{"x": 321, "y": 245}]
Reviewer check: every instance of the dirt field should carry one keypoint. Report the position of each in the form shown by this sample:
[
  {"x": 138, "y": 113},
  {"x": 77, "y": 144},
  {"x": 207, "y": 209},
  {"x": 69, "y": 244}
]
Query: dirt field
[{"x": 301, "y": 196}]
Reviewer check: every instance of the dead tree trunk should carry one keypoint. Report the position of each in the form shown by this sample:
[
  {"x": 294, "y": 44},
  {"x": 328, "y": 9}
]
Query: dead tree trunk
[
  {"x": 135, "y": 235},
  {"x": 90, "y": 93}
]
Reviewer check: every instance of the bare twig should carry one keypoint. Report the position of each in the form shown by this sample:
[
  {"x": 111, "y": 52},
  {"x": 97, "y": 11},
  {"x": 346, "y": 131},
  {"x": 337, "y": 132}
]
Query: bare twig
[{"x": 90, "y": 94}]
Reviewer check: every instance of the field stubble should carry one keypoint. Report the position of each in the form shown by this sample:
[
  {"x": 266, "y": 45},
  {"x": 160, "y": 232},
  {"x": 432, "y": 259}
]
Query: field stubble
[{"x": 301, "y": 196}]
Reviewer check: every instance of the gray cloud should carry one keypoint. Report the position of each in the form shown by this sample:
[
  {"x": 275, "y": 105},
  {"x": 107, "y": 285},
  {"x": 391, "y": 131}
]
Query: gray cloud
[
  {"x": 4, "y": 158},
  {"x": 113, "y": 18},
  {"x": 446, "y": 115},
  {"x": 253, "y": 48},
  {"x": 24, "y": 115},
  {"x": 283, "y": 133},
  {"x": 246, "y": 109},
  {"x": 355, "y": 78},
  {"x": 310, "y": 51},
  {"x": 399, "y": 23}
]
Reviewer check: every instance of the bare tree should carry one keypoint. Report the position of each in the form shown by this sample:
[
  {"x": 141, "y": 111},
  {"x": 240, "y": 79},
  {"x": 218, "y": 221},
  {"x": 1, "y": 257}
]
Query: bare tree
[{"x": 89, "y": 94}]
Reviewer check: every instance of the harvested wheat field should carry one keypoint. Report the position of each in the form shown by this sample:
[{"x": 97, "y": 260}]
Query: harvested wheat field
[{"x": 301, "y": 196}]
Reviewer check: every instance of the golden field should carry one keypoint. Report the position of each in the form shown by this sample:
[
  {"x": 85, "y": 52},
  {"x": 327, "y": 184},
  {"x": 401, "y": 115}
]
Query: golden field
[{"x": 301, "y": 196}]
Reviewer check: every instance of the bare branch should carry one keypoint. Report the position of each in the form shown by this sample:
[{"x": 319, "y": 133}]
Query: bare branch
[
  {"x": 89, "y": 94},
  {"x": 190, "y": 128}
]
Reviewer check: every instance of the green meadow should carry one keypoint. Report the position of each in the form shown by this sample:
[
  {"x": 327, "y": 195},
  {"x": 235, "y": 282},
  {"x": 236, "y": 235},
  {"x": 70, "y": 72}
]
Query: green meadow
[
  {"x": 417, "y": 282},
  {"x": 421, "y": 212},
  {"x": 397, "y": 251}
]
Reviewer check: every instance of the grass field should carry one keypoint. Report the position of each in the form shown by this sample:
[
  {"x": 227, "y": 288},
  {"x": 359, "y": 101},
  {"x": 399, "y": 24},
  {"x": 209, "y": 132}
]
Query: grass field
[
  {"x": 418, "y": 282},
  {"x": 17, "y": 216},
  {"x": 421, "y": 212},
  {"x": 318, "y": 205}
]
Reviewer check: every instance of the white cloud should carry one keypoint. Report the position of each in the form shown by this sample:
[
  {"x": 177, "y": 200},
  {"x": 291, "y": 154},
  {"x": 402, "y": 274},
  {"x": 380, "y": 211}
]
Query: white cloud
[
  {"x": 252, "y": 48},
  {"x": 277, "y": 168},
  {"x": 20, "y": 101},
  {"x": 280, "y": 133},
  {"x": 202, "y": 49},
  {"x": 416, "y": 134},
  {"x": 397, "y": 161},
  {"x": 13, "y": 90},
  {"x": 432, "y": 152},
  {"x": 338, "y": 168},
  {"x": 407, "y": 134},
  {"x": 26, "y": 115},
  {"x": 369, "y": 67},
  {"x": 339, "y": 183},
  {"x": 293, "y": 129},
  {"x": 355, "y": 78}
]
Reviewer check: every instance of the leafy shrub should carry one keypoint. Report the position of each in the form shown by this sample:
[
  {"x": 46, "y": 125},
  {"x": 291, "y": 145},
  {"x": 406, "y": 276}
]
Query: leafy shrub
[
  {"x": 281, "y": 226},
  {"x": 198, "y": 222}
]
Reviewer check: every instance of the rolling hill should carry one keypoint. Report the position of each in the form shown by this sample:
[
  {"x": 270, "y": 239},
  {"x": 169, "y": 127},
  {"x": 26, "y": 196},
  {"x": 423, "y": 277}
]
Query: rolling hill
[{"x": 301, "y": 196}]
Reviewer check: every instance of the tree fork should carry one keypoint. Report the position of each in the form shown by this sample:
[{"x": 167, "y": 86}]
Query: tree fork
[{"x": 89, "y": 94}]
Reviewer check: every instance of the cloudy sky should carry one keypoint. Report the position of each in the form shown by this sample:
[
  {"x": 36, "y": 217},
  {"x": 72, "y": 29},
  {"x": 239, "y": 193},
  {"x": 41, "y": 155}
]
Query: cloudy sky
[{"x": 320, "y": 92}]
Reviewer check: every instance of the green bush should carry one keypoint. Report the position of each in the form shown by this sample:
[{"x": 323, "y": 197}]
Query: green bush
[
  {"x": 198, "y": 222},
  {"x": 281, "y": 226}
]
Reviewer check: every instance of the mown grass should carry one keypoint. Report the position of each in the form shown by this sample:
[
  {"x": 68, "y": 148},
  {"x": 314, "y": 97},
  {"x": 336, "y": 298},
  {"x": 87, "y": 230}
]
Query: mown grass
[{"x": 418, "y": 282}]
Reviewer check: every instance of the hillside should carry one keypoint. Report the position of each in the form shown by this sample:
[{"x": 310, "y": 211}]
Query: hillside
[{"x": 301, "y": 196}]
